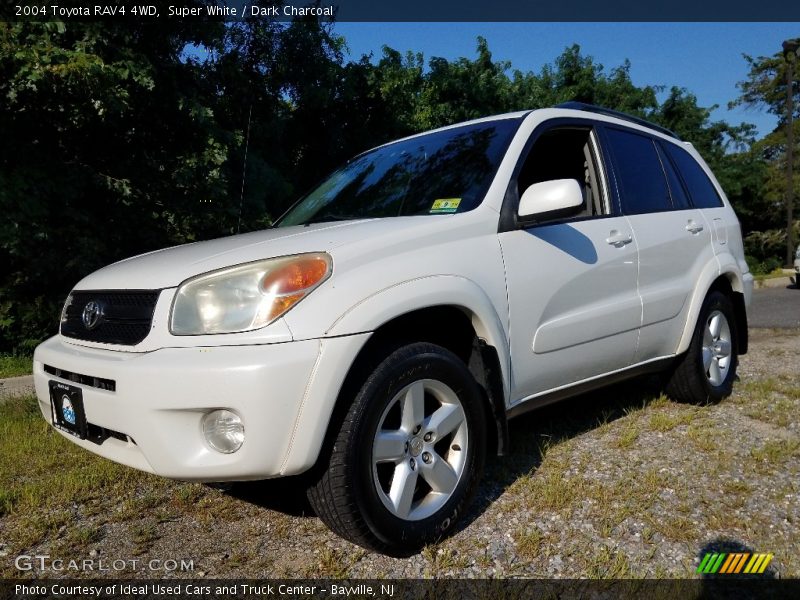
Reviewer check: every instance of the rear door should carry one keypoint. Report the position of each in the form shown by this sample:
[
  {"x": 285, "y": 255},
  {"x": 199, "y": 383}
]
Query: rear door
[
  {"x": 673, "y": 237},
  {"x": 703, "y": 195}
]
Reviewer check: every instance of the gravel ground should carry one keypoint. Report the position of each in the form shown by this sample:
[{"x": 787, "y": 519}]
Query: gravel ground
[
  {"x": 620, "y": 483},
  {"x": 16, "y": 386}
]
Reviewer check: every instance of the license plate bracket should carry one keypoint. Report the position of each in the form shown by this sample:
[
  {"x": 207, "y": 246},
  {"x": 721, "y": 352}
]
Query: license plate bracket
[{"x": 66, "y": 405}]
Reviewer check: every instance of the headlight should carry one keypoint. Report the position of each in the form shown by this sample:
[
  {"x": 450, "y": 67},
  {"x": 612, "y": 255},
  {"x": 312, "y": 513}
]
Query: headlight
[{"x": 248, "y": 296}]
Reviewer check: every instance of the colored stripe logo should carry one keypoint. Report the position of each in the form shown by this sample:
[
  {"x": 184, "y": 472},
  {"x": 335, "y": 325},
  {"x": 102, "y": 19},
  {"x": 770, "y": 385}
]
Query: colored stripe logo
[{"x": 735, "y": 562}]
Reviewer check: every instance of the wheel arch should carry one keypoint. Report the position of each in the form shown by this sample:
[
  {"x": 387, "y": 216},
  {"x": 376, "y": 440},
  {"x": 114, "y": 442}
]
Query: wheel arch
[
  {"x": 451, "y": 326},
  {"x": 450, "y": 311},
  {"x": 386, "y": 306},
  {"x": 729, "y": 281}
]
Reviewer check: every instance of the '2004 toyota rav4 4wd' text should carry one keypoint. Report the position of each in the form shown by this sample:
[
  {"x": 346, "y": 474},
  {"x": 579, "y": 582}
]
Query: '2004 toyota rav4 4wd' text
[{"x": 381, "y": 334}]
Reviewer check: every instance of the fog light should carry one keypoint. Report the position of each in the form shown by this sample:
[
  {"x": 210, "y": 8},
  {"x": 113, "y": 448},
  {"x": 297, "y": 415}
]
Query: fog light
[{"x": 223, "y": 430}]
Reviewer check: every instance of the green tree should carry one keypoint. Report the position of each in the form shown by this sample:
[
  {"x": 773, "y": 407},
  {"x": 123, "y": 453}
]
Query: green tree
[
  {"x": 765, "y": 89},
  {"x": 108, "y": 151},
  {"x": 123, "y": 139}
]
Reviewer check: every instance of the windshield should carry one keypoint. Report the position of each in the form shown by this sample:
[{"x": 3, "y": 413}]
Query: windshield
[{"x": 443, "y": 172}]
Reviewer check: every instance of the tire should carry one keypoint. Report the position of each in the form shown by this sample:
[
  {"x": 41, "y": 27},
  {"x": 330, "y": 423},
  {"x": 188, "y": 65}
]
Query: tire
[
  {"x": 408, "y": 455},
  {"x": 705, "y": 373}
]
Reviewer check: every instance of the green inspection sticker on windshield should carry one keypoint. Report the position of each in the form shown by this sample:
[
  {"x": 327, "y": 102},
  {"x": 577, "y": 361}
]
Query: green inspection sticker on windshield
[{"x": 445, "y": 205}]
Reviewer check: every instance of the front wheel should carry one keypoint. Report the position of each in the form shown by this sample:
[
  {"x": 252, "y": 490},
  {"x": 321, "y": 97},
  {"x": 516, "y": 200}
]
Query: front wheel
[
  {"x": 408, "y": 454},
  {"x": 706, "y": 372}
]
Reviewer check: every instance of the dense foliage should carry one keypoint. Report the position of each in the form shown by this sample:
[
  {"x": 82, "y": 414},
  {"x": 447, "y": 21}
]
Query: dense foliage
[{"x": 119, "y": 139}]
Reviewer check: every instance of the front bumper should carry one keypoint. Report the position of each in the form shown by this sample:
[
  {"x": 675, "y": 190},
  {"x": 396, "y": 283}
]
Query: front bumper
[{"x": 160, "y": 398}]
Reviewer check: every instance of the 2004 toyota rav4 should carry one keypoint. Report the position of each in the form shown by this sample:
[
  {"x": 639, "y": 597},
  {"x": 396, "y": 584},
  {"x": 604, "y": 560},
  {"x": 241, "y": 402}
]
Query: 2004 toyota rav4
[{"x": 381, "y": 334}]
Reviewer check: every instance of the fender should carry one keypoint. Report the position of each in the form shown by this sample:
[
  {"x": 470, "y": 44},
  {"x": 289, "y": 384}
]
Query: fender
[
  {"x": 348, "y": 333},
  {"x": 723, "y": 264},
  {"x": 729, "y": 267},
  {"x": 424, "y": 292}
]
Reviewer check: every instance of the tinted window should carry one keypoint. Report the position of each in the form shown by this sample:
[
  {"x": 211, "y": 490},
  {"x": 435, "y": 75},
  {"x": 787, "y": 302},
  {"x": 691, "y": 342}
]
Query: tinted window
[
  {"x": 640, "y": 177},
  {"x": 437, "y": 173},
  {"x": 679, "y": 197},
  {"x": 701, "y": 190}
]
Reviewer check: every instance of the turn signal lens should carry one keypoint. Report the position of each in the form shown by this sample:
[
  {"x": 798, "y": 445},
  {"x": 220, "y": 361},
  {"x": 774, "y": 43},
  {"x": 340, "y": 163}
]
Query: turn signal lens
[
  {"x": 291, "y": 282},
  {"x": 296, "y": 276}
]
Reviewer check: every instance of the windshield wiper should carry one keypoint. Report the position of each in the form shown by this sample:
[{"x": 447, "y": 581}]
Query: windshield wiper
[{"x": 329, "y": 217}]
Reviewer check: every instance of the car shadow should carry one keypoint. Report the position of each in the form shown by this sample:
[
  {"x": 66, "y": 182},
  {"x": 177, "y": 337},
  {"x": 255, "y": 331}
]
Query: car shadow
[
  {"x": 531, "y": 434},
  {"x": 286, "y": 495}
]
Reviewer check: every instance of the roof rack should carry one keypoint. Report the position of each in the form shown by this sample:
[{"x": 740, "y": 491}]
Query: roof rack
[{"x": 619, "y": 115}]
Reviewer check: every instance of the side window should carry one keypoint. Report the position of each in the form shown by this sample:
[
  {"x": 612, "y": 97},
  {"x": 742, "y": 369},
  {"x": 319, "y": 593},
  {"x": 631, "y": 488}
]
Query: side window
[
  {"x": 680, "y": 199},
  {"x": 701, "y": 190},
  {"x": 566, "y": 153},
  {"x": 640, "y": 176}
]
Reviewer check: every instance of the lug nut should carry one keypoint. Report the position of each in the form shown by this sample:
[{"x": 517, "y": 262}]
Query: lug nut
[
  {"x": 413, "y": 464},
  {"x": 405, "y": 448},
  {"x": 428, "y": 437},
  {"x": 416, "y": 429},
  {"x": 426, "y": 457}
]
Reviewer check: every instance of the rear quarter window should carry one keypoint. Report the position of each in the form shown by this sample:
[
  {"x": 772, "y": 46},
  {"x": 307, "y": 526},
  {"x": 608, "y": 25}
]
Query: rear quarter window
[
  {"x": 680, "y": 197},
  {"x": 701, "y": 191}
]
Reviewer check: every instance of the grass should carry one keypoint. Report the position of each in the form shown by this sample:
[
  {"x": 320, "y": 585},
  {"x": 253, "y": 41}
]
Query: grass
[
  {"x": 577, "y": 484},
  {"x": 774, "y": 452},
  {"x": 659, "y": 458},
  {"x": 82, "y": 536},
  {"x": 663, "y": 421},
  {"x": 15, "y": 366},
  {"x": 776, "y": 272},
  {"x": 44, "y": 480},
  {"x": 335, "y": 563},
  {"x": 529, "y": 543},
  {"x": 628, "y": 435},
  {"x": 441, "y": 559},
  {"x": 608, "y": 564},
  {"x": 773, "y": 400}
]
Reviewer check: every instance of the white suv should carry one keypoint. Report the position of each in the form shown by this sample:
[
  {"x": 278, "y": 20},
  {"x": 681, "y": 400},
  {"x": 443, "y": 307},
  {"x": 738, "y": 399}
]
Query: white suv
[{"x": 380, "y": 335}]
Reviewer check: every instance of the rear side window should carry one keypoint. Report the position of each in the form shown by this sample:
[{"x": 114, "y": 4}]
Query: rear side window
[
  {"x": 701, "y": 190},
  {"x": 680, "y": 199},
  {"x": 640, "y": 177}
]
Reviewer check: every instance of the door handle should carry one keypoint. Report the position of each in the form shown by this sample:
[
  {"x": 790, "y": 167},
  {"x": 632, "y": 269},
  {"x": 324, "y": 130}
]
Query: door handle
[
  {"x": 618, "y": 239},
  {"x": 693, "y": 227}
]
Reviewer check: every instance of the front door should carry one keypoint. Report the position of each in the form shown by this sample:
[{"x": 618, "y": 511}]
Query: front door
[{"x": 573, "y": 301}]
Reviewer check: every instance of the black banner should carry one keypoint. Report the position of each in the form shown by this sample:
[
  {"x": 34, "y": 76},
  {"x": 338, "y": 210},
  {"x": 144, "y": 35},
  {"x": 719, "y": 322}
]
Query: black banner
[
  {"x": 455, "y": 589},
  {"x": 406, "y": 10}
]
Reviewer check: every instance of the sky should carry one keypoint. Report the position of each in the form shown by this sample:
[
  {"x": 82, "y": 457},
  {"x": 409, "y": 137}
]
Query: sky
[{"x": 705, "y": 58}]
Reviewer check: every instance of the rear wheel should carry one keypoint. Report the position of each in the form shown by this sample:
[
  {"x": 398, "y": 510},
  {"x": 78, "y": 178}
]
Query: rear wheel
[
  {"x": 408, "y": 455},
  {"x": 707, "y": 370}
]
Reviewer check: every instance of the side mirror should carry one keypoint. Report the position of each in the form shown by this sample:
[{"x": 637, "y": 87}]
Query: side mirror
[{"x": 551, "y": 199}]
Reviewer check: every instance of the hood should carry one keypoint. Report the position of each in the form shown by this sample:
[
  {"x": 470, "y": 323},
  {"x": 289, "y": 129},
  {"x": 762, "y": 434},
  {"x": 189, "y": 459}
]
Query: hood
[{"x": 168, "y": 268}]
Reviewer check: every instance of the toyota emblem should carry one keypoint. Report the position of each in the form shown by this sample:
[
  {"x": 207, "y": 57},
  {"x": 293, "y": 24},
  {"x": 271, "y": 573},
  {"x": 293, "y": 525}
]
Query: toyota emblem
[{"x": 92, "y": 313}]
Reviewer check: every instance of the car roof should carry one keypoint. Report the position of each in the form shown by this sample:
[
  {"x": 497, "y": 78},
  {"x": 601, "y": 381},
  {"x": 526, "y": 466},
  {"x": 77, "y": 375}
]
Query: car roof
[{"x": 572, "y": 109}]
